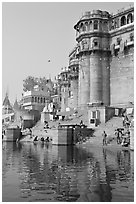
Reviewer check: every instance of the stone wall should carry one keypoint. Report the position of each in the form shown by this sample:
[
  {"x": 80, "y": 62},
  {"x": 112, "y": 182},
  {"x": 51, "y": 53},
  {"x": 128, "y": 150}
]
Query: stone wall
[
  {"x": 122, "y": 78},
  {"x": 73, "y": 98},
  {"x": 84, "y": 81},
  {"x": 64, "y": 97}
]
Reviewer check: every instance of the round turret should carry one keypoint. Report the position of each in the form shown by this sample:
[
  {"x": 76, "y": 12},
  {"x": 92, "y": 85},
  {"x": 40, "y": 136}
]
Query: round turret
[
  {"x": 92, "y": 22},
  {"x": 92, "y": 35}
]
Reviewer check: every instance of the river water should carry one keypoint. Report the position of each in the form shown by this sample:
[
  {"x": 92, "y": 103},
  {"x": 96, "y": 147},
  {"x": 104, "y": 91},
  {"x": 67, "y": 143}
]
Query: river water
[{"x": 41, "y": 173}]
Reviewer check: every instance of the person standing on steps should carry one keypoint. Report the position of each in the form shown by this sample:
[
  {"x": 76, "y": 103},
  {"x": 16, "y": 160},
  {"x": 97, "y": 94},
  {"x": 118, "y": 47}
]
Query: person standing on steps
[{"x": 104, "y": 135}]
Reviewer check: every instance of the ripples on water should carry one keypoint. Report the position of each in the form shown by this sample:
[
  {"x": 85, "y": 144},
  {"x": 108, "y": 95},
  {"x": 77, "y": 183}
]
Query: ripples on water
[{"x": 63, "y": 173}]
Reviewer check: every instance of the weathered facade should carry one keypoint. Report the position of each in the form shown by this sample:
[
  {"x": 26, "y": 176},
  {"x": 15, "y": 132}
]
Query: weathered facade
[
  {"x": 73, "y": 78},
  {"x": 35, "y": 99},
  {"x": 101, "y": 67},
  {"x": 122, "y": 58}
]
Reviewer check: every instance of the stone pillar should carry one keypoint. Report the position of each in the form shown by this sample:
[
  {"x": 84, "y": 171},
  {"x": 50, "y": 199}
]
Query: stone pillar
[
  {"x": 64, "y": 98},
  {"x": 106, "y": 79},
  {"x": 74, "y": 89},
  {"x": 84, "y": 81},
  {"x": 95, "y": 78}
]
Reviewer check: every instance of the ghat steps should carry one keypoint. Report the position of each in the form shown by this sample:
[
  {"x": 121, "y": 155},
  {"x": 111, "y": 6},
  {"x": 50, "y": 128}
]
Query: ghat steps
[{"x": 109, "y": 127}]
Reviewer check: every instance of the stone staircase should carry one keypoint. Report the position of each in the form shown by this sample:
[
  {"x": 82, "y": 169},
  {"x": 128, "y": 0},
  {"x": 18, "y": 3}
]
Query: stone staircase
[{"x": 109, "y": 128}]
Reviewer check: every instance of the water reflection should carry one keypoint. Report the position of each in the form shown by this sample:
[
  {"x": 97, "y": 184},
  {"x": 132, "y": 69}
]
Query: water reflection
[{"x": 37, "y": 172}]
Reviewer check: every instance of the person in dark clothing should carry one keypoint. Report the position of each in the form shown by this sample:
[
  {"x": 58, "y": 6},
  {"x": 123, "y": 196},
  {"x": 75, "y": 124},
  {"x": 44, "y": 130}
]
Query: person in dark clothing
[
  {"x": 42, "y": 139},
  {"x": 81, "y": 122},
  {"x": 104, "y": 138},
  {"x": 3, "y": 133},
  {"x": 47, "y": 139},
  {"x": 118, "y": 137},
  {"x": 36, "y": 138}
]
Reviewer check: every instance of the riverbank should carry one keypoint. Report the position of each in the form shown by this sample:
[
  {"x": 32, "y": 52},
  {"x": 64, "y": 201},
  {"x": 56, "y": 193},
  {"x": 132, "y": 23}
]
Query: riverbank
[{"x": 95, "y": 139}]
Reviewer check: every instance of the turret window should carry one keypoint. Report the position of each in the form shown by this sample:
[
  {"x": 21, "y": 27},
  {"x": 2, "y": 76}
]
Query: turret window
[
  {"x": 86, "y": 26},
  {"x": 90, "y": 25},
  {"x": 81, "y": 27},
  {"x": 129, "y": 18},
  {"x": 95, "y": 25},
  {"x": 123, "y": 20}
]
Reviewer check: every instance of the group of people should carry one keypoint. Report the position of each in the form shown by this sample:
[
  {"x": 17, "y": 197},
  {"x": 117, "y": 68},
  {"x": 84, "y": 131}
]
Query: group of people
[
  {"x": 46, "y": 125},
  {"x": 122, "y": 137},
  {"x": 47, "y": 139},
  {"x": 126, "y": 122}
]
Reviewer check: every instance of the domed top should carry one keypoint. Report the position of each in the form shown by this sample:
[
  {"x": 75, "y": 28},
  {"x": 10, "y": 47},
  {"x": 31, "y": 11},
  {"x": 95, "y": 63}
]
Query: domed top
[{"x": 94, "y": 13}]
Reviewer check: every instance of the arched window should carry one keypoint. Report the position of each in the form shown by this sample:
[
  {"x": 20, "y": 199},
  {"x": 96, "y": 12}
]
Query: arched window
[
  {"x": 86, "y": 26},
  {"x": 38, "y": 99},
  {"x": 95, "y": 25},
  {"x": 44, "y": 100},
  {"x": 129, "y": 18},
  {"x": 100, "y": 25},
  {"x": 81, "y": 27},
  {"x": 35, "y": 99},
  {"x": 41, "y": 100},
  {"x": 123, "y": 20},
  {"x": 90, "y": 25}
]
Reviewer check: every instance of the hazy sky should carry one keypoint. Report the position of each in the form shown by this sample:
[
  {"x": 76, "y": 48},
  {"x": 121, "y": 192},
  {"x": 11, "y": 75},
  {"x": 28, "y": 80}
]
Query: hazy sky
[{"x": 33, "y": 33}]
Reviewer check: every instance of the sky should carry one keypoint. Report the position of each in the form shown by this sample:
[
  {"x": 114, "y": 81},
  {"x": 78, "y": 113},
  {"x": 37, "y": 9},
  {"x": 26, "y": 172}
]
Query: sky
[{"x": 34, "y": 33}]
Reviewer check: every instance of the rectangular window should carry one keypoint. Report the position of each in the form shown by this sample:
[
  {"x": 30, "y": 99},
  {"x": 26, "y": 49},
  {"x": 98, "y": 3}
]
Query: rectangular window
[{"x": 93, "y": 114}]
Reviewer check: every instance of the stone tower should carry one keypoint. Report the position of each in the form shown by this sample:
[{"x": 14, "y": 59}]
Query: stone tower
[
  {"x": 64, "y": 89},
  {"x": 73, "y": 78},
  {"x": 93, "y": 52}
]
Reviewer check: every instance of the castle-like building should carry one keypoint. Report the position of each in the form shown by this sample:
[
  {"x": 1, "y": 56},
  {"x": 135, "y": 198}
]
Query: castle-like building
[
  {"x": 101, "y": 67},
  {"x": 100, "y": 75}
]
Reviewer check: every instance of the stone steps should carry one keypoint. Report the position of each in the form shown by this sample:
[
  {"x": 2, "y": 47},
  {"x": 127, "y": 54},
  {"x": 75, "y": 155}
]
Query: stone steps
[{"x": 109, "y": 128}]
